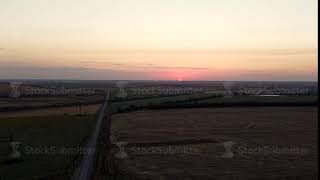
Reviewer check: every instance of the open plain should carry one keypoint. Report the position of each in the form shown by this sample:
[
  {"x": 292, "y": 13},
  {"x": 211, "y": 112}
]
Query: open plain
[{"x": 217, "y": 143}]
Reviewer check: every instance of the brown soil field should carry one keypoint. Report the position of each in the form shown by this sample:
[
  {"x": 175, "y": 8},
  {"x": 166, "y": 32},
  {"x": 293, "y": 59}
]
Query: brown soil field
[{"x": 217, "y": 143}]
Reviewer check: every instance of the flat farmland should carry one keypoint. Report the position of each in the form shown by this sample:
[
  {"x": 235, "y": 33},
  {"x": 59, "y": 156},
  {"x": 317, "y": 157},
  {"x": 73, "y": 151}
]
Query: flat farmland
[
  {"x": 51, "y": 111},
  {"x": 24, "y": 103},
  {"x": 50, "y": 145},
  {"x": 217, "y": 143}
]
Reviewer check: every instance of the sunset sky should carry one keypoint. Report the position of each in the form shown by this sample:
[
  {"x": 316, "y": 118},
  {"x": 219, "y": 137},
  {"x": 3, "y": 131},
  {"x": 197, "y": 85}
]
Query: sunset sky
[{"x": 159, "y": 39}]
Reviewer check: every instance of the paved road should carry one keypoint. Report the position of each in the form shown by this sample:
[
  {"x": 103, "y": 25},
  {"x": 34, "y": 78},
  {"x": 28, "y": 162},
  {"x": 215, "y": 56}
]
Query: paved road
[{"x": 85, "y": 170}]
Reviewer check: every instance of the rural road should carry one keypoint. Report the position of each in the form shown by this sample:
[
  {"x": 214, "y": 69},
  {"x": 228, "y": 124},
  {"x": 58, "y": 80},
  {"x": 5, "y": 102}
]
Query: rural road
[{"x": 85, "y": 170}]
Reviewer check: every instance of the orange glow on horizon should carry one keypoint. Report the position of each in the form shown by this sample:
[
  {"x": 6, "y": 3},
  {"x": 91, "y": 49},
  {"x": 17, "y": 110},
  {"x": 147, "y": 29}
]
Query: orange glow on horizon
[{"x": 167, "y": 39}]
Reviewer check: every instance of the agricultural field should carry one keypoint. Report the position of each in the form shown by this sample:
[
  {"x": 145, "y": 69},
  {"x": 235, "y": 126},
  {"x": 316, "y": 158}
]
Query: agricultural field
[
  {"x": 211, "y": 100},
  {"x": 217, "y": 143},
  {"x": 36, "y": 96},
  {"x": 23, "y": 103},
  {"x": 134, "y": 104},
  {"x": 168, "y": 130},
  {"x": 50, "y": 145},
  {"x": 262, "y": 99},
  {"x": 53, "y": 111}
]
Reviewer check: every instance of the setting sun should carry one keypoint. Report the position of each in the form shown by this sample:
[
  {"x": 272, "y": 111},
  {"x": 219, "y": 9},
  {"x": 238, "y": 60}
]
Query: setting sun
[{"x": 182, "y": 40}]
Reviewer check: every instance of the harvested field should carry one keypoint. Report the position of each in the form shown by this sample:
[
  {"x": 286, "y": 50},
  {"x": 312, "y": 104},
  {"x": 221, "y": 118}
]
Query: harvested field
[
  {"x": 23, "y": 103},
  {"x": 68, "y": 110},
  {"x": 217, "y": 143}
]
